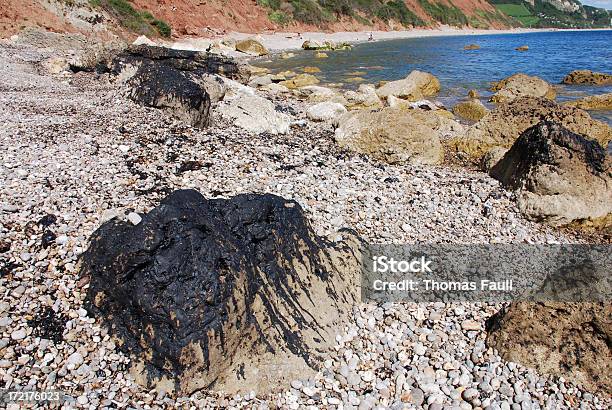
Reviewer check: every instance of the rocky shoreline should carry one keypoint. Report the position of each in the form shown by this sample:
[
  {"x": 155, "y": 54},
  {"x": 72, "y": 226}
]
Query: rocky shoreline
[{"x": 77, "y": 153}]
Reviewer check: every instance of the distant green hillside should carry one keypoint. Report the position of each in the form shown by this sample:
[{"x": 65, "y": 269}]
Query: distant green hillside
[
  {"x": 554, "y": 13},
  {"x": 519, "y": 12}
]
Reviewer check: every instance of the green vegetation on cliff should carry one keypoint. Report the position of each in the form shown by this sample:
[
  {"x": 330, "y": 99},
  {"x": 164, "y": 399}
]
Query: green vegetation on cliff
[
  {"x": 450, "y": 15},
  {"x": 141, "y": 22},
  {"x": 551, "y": 13},
  {"x": 519, "y": 12},
  {"x": 321, "y": 13},
  {"x": 324, "y": 12}
]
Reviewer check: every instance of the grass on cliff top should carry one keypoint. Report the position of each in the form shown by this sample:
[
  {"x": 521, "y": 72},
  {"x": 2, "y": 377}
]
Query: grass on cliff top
[
  {"x": 519, "y": 12},
  {"x": 141, "y": 22}
]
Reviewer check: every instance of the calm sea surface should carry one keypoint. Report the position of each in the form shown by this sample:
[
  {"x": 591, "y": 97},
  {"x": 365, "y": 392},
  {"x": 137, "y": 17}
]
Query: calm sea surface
[{"x": 551, "y": 56}]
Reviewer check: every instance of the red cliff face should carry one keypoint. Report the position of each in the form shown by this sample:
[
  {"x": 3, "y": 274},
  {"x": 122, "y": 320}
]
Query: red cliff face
[
  {"x": 16, "y": 14},
  {"x": 203, "y": 18},
  {"x": 194, "y": 17}
]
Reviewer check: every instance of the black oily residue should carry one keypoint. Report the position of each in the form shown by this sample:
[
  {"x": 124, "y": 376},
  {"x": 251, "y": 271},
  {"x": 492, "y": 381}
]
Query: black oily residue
[
  {"x": 48, "y": 325},
  {"x": 7, "y": 267},
  {"x": 184, "y": 260},
  {"x": 47, "y": 220},
  {"x": 47, "y": 239},
  {"x": 192, "y": 166}
]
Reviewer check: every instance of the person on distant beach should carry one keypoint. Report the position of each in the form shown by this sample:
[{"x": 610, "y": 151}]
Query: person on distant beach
[
  {"x": 371, "y": 38},
  {"x": 299, "y": 35}
]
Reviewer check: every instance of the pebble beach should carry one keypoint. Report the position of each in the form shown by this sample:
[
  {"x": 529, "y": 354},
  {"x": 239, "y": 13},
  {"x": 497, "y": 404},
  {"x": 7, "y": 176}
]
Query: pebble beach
[{"x": 76, "y": 153}]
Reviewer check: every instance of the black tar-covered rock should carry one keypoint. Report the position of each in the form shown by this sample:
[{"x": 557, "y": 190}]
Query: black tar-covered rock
[
  {"x": 160, "y": 86},
  {"x": 196, "y": 62},
  {"x": 182, "y": 82},
  {"x": 237, "y": 294},
  {"x": 560, "y": 177}
]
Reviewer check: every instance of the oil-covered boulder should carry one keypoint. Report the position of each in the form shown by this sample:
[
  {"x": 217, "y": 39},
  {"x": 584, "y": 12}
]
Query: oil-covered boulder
[
  {"x": 232, "y": 294},
  {"x": 560, "y": 177},
  {"x": 182, "y": 82},
  {"x": 196, "y": 62},
  {"x": 171, "y": 90}
]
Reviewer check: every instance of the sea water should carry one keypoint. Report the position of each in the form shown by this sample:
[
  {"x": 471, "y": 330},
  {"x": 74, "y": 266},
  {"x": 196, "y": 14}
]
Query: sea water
[{"x": 551, "y": 56}]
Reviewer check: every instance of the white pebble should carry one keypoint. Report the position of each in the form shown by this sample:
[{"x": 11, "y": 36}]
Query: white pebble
[
  {"x": 18, "y": 334},
  {"x": 134, "y": 218}
]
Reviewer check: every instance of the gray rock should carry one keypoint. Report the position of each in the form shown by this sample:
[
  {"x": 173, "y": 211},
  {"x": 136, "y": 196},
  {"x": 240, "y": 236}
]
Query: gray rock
[
  {"x": 255, "y": 114},
  {"x": 418, "y": 396},
  {"x": 18, "y": 334},
  {"x": 353, "y": 379},
  {"x": 325, "y": 111}
]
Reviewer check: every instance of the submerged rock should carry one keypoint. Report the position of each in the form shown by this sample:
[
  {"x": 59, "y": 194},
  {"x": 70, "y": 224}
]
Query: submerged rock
[
  {"x": 564, "y": 339},
  {"x": 255, "y": 114},
  {"x": 396, "y": 136},
  {"x": 311, "y": 70},
  {"x": 414, "y": 87},
  {"x": 587, "y": 77},
  {"x": 503, "y": 125},
  {"x": 560, "y": 177},
  {"x": 314, "y": 45},
  {"x": 233, "y": 294},
  {"x": 522, "y": 85},
  {"x": 522, "y": 48},
  {"x": 256, "y": 71},
  {"x": 593, "y": 102},
  {"x": 300, "y": 80}
]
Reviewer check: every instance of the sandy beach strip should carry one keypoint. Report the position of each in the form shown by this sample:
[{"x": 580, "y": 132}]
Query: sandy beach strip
[{"x": 280, "y": 41}]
